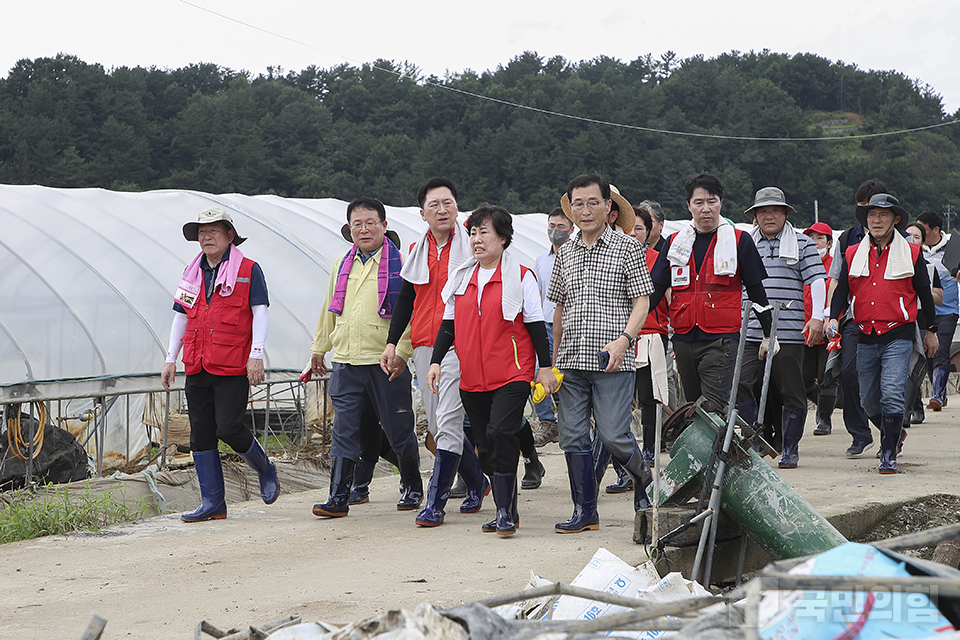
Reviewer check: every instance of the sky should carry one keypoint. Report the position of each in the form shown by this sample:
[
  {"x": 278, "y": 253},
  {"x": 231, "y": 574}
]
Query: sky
[{"x": 915, "y": 37}]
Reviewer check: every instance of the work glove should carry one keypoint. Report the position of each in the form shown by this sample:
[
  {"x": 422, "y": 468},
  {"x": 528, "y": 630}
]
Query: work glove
[
  {"x": 539, "y": 393},
  {"x": 765, "y": 348}
]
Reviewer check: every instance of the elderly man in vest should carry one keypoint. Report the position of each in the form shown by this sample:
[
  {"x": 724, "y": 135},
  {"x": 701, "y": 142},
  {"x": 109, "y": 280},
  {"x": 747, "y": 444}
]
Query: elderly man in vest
[
  {"x": 361, "y": 296},
  {"x": 884, "y": 276},
  {"x": 707, "y": 265},
  {"x": 221, "y": 322},
  {"x": 791, "y": 261},
  {"x": 442, "y": 248}
]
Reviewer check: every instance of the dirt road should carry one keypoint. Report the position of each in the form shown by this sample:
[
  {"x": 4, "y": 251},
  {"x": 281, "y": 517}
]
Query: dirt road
[{"x": 159, "y": 578}]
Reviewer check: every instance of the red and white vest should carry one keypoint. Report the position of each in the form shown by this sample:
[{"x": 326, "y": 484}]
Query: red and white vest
[
  {"x": 657, "y": 319},
  {"x": 219, "y": 334},
  {"x": 876, "y": 304},
  {"x": 708, "y": 301},
  {"x": 492, "y": 351},
  {"x": 428, "y": 305}
]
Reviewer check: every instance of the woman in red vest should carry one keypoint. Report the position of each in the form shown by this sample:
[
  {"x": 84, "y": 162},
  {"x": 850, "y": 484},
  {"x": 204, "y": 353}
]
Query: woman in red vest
[{"x": 493, "y": 308}]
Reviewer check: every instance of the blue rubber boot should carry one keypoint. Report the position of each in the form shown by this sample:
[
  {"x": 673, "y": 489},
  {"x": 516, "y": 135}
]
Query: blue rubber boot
[
  {"x": 257, "y": 458},
  {"x": 583, "y": 490},
  {"x": 362, "y": 476},
  {"x": 341, "y": 479},
  {"x": 940, "y": 378},
  {"x": 642, "y": 478},
  {"x": 477, "y": 484},
  {"x": 601, "y": 460},
  {"x": 793, "y": 420},
  {"x": 624, "y": 482},
  {"x": 213, "y": 505},
  {"x": 438, "y": 490},
  {"x": 747, "y": 411},
  {"x": 891, "y": 441},
  {"x": 411, "y": 484},
  {"x": 505, "y": 497}
]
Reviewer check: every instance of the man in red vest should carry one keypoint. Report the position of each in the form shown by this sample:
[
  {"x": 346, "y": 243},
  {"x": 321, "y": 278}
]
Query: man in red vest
[
  {"x": 221, "y": 323},
  {"x": 442, "y": 248},
  {"x": 884, "y": 276},
  {"x": 707, "y": 265}
]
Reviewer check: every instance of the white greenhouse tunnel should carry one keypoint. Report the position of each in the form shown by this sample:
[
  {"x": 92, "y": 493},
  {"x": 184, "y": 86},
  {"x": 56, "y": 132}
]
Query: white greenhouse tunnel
[{"x": 88, "y": 278}]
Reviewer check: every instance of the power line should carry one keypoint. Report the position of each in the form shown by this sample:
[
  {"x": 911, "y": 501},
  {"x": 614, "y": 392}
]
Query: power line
[{"x": 557, "y": 114}]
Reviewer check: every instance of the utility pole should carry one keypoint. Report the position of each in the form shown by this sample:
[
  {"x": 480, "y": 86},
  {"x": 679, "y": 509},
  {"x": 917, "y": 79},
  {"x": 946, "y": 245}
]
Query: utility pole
[
  {"x": 816, "y": 211},
  {"x": 948, "y": 215}
]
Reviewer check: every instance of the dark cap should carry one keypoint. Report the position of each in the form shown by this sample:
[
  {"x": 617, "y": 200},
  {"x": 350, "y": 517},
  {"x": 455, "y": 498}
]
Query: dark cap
[{"x": 883, "y": 201}]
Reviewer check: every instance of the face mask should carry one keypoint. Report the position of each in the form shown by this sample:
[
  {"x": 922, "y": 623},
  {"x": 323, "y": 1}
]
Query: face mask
[
  {"x": 822, "y": 252},
  {"x": 558, "y": 236}
]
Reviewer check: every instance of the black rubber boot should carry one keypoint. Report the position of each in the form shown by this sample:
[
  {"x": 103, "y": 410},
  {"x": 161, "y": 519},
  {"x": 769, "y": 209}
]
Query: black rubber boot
[
  {"x": 533, "y": 471},
  {"x": 412, "y": 484},
  {"x": 341, "y": 479},
  {"x": 583, "y": 491},
  {"x": 649, "y": 443},
  {"x": 642, "y": 478},
  {"x": 362, "y": 476},
  {"x": 213, "y": 505},
  {"x": 825, "y": 405}
]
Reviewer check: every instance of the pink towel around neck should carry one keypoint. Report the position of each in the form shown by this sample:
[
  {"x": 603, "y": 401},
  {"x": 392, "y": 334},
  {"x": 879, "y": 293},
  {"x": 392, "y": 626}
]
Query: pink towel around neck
[{"x": 190, "y": 284}]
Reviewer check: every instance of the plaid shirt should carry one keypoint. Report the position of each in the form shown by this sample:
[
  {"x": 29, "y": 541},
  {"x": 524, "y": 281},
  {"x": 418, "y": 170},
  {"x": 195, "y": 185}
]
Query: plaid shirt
[{"x": 596, "y": 286}]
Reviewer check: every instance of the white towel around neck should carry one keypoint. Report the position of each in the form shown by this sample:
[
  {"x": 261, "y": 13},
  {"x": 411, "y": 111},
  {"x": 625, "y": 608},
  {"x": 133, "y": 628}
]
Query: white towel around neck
[
  {"x": 512, "y": 299},
  {"x": 724, "y": 253},
  {"x": 789, "y": 245},
  {"x": 899, "y": 262},
  {"x": 416, "y": 269}
]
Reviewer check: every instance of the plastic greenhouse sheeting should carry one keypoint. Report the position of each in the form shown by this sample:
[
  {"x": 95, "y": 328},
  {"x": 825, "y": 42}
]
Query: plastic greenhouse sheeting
[{"x": 88, "y": 277}]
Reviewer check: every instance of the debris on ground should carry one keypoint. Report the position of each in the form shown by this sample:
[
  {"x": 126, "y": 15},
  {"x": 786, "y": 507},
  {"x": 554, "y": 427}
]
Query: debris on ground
[{"x": 926, "y": 513}]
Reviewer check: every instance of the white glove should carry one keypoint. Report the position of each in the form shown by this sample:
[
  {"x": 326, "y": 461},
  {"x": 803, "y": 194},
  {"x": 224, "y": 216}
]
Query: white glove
[{"x": 765, "y": 347}]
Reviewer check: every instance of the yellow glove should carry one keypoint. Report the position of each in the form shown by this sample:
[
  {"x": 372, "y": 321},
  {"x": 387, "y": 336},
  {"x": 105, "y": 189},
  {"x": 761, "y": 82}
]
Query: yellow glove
[{"x": 539, "y": 393}]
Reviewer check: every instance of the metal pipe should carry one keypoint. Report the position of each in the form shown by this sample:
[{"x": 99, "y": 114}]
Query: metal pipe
[
  {"x": 166, "y": 431},
  {"x": 728, "y": 436},
  {"x": 718, "y": 480},
  {"x": 28, "y": 481},
  {"x": 655, "y": 535},
  {"x": 266, "y": 419},
  {"x": 127, "y": 412}
]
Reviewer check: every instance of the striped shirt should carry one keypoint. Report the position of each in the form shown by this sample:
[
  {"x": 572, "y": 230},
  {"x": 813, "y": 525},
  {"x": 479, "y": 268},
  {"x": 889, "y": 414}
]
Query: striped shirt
[{"x": 784, "y": 283}]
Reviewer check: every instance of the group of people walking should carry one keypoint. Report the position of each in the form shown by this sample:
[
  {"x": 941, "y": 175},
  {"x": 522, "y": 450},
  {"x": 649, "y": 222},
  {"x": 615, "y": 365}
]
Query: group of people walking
[{"x": 589, "y": 327}]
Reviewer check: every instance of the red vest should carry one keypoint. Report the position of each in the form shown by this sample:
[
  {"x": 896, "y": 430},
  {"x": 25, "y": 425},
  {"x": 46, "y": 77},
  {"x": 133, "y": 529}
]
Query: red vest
[
  {"x": 657, "y": 318},
  {"x": 219, "y": 334},
  {"x": 808, "y": 295},
  {"x": 492, "y": 351},
  {"x": 879, "y": 305},
  {"x": 428, "y": 306},
  {"x": 709, "y": 301}
]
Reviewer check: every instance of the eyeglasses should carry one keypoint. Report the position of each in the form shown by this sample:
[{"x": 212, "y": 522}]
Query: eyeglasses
[
  {"x": 593, "y": 204},
  {"x": 369, "y": 224}
]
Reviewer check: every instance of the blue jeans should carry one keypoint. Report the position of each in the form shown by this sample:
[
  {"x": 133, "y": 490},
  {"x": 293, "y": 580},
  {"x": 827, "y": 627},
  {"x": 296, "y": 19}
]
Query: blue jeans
[
  {"x": 606, "y": 396},
  {"x": 882, "y": 370},
  {"x": 544, "y": 408}
]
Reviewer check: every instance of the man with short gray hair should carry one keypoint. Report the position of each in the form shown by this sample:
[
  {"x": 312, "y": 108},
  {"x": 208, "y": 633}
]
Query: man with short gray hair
[{"x": 654, "y": 235}]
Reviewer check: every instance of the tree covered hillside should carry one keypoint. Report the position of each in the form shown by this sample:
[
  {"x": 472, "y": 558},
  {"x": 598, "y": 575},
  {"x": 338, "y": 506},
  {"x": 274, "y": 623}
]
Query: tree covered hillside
[{"x": 382, "y": 129}]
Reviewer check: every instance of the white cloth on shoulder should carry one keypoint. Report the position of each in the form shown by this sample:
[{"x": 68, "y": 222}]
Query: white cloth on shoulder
[
  {"x": 512, "y": 298},
  {"x": 899, "y": 262},
  {"x": 416, "y": 269},
  {"x": 724, "y": 253},
  {"x": 650, "y": 353},
  {"x": 789, "y": 245}
]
